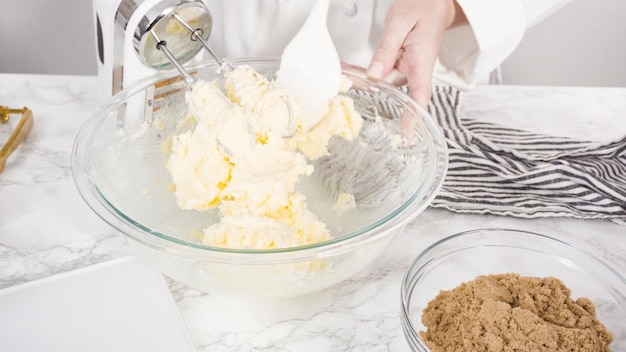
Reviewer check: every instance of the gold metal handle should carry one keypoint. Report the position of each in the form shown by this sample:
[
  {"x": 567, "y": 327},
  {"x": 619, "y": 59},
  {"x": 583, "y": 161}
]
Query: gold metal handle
[{"x": 19, "y": 133}]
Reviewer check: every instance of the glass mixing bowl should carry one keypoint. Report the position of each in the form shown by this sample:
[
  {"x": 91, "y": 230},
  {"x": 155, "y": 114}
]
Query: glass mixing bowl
[
  {"x": 462, "y": 257},
  {"x": 118, "y": 165}
]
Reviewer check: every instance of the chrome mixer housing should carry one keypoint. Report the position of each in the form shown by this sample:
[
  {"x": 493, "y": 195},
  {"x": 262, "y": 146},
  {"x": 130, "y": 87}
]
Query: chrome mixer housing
[{"x": 137, "y": 37}]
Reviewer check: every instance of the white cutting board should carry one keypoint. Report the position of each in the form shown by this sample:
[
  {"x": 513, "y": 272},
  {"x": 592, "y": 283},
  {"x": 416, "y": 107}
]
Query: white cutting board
[{"x": 120, "y": 305}]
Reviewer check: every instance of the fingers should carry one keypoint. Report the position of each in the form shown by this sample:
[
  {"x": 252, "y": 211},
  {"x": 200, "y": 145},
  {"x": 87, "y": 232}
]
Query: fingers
[
  {"x": 395, "y": 77},
  {"x": 397, "y": 27},
  {"x": 410, "y": 43},
  {"x": 418, "y": 59}
]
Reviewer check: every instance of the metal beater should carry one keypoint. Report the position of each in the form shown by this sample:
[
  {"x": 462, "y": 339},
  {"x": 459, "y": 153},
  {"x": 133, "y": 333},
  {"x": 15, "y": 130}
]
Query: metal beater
[
  {"x": 196, "y": 35},
  {"x": 136, "y": 37}
]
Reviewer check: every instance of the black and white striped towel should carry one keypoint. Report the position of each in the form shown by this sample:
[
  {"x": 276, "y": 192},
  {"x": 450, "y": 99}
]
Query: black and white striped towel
[{"x": 504, "y": 171}]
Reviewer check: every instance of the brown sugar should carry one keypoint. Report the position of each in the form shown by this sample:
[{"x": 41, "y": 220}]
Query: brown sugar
[{"x": 508, "y": 312}]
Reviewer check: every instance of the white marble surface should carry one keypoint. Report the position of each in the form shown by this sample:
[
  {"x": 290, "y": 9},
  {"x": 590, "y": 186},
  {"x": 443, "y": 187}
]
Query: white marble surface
[{"x": 46, "y": 228}]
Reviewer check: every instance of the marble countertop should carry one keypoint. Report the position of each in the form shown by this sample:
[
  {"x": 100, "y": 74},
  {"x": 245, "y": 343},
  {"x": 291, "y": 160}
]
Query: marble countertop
[{"x": 47, "y": 229}]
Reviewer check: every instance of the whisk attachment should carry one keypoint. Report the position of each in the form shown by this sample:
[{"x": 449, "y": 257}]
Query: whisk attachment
[
  {"x": 197, "y": 34},
  {"x": 162, "y": 46}
]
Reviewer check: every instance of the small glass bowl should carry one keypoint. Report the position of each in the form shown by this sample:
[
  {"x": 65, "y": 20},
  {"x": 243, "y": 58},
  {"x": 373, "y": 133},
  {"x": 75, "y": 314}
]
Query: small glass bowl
[{"x": 462, "y": 257}]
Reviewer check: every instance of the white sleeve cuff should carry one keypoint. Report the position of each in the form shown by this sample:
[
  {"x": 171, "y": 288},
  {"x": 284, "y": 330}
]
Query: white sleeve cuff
[{"x": 471, "y": 52}]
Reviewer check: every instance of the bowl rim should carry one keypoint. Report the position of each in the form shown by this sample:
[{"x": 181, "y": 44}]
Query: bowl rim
[
  {"x": 386, "y": 225},
  {"x": 408, "y": 285}
]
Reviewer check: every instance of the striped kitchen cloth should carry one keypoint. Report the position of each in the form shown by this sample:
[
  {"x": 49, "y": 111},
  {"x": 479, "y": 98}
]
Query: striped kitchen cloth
[{"x": 498, "y": 170}]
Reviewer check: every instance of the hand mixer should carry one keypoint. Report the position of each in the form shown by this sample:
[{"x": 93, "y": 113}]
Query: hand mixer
[
  {"x": 133, "y": 35},
  {"x": 165, "y": 34}
]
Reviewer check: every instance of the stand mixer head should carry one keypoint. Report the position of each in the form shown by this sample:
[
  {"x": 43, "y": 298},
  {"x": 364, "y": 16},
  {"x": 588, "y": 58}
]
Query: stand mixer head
[{"x": 137, "y": 37}]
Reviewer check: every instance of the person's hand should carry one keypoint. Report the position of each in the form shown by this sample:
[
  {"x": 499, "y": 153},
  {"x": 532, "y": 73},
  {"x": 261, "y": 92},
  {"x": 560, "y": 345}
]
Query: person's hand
[{"x": 410, "y": 43}]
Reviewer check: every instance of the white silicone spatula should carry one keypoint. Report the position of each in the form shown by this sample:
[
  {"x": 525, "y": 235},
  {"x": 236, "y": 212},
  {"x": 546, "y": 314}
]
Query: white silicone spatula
[{"x": 310, "y": 69}]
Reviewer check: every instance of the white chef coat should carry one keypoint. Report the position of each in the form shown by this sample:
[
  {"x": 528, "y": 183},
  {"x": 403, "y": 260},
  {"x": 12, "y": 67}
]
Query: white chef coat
[{"x": 468, "y": 53}]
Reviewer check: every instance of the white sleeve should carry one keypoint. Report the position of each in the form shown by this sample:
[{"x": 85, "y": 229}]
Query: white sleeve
[{"x": 469, "y": 53}]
